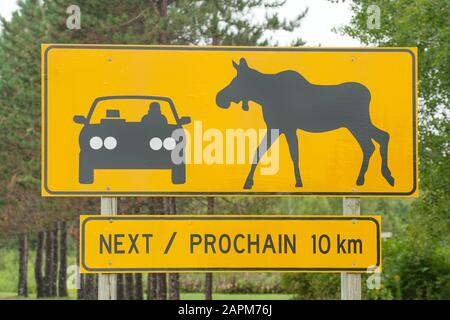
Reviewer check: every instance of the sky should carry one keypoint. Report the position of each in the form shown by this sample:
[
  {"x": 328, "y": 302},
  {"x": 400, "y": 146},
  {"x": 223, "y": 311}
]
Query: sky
[{"x": 316, "y": 28}]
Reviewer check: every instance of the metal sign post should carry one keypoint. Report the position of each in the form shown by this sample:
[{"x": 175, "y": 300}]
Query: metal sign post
[
  {"x": 351, "y": 282},
  {"x": 107, "y": 283}
]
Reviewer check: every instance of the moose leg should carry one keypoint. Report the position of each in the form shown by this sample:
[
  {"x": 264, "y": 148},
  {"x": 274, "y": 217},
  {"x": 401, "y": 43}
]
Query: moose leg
[
  {"x": 367, "y": 148},
  {"x": 292, "y": 141},
  {"x": 382, "y": 138},
  {"x": 269, "y": 138}
]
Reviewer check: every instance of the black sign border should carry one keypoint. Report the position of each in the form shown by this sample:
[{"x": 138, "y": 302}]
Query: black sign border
[
  {"x": 218, "y": 218},
  {"x": 242, "y": 193}
]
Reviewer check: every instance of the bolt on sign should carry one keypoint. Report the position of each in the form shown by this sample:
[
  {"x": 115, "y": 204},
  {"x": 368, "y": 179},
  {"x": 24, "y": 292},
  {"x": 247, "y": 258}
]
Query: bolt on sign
[
  {"x": 174, "y": 120},
  {"x": 193, "y": 243}
]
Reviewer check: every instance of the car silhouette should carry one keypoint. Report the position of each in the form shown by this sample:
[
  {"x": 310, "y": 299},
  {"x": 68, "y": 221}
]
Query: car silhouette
[{"x": 115, "y": 143}]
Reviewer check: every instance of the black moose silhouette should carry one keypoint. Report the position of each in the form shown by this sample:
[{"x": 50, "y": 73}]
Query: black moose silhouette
[{"x": 289, "y": 102}]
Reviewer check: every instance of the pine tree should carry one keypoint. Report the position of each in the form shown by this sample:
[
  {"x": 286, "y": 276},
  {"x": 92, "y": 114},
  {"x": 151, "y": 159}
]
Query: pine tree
[
  {"x": 62, "y": 273},
  {"x": 22, "y": 212},
  {"x": 23, "y": 266}
]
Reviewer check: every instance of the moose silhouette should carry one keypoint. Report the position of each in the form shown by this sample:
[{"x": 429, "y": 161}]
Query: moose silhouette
[{"x": 289, "y": 102}]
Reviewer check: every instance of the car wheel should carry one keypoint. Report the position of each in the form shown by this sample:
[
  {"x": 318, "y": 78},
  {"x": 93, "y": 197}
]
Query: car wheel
[
  {"x": 179, "y": 174},
  {"x": 86, "y": 175}
]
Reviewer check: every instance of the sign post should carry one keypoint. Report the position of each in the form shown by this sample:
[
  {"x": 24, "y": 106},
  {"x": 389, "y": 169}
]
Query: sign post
[
  {"x": 351, "y": 282},
  {"x": 107, "y": 283}
]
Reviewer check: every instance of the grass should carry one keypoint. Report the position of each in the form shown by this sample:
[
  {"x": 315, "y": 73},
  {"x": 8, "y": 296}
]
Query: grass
[
  {"x": 238, "y": 296},
  {"x": 184, "y": 296},
  {"x": 9, "y": 265},
  {"x": 13, "y": 296}
]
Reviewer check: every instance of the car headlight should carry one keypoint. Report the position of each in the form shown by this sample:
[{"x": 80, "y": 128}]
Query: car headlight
[
  {"x": 96, "y": 143},
  {"x": 169, "y": 143},
  {"x": 156, "y": 143},
  {"x": 110, "y": 143}
]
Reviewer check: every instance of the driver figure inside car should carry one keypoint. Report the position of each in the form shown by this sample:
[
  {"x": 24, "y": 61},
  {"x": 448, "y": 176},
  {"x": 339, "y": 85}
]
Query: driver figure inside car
[{"x": 154, "y": 115}]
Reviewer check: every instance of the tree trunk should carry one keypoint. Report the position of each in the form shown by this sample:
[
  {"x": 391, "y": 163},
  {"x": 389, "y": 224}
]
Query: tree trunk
[
  {"x": 208, "y": 286},
  {"x": 209, "y": 276},
  {"x": 129, "y": 286},
  {"x": 174, "y": 286},
  {"x": 174, "y": 278},
  {"x": 48, "y": 264},
  {"x": 157, "y": 288},
  {"x": 162, "y": 10},
  {"x": 23, "y": 266},
  {"x": 152, "y": 286},
  {"x": 160, "y": 207},
  {"x": 138, "y": 290},
  {"x": 55, "y": 260},
  {"x": 80, "y": 289},
  {"x": 62, "y": 281},
  {"x": 83, "y": 292},
  {"x": 38, "y": 265},
  {"x": 90, "y": 287},
  {"x": 120, "y": 287},
  {"x": 94, "y": 293},
  {"x": 162, "y": 286}
]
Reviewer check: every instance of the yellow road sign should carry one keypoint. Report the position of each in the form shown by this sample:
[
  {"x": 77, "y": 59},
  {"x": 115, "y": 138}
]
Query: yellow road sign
[
  {"x": 194, "y": 243},
  {"x": 174, "y": 120}
]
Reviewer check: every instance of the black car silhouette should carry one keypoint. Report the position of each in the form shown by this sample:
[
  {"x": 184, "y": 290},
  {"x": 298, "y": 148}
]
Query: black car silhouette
[{"x": 114, "y": 143}]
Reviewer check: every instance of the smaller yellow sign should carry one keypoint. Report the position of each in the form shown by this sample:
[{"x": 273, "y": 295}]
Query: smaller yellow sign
[{"x": 193, "y": 243}]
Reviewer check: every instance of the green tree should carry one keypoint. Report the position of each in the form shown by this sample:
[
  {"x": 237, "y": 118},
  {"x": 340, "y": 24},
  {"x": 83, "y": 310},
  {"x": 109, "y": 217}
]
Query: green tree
[
  {"x": 420, "y": 256},
  {"x": 20, "y": 127}
]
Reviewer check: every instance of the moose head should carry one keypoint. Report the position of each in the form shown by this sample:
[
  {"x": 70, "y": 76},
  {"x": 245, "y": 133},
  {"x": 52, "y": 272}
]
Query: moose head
[{"x": 238, "y": 88}]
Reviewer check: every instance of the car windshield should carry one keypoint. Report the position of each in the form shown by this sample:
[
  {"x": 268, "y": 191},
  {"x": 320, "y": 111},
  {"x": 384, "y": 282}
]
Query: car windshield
[{"x": 133, "y": 110}]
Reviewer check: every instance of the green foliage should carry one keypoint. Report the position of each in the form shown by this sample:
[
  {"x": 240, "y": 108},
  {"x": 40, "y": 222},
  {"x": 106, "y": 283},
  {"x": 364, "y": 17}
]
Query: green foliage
[
  {"x": 408, "y": 273},
  {"x": 256, "y": 283},
  {"x": 317, "y": 286},
  {"x": 319, "y": 206},
  {"x": 411, "y": 272},
  {"x": 20, "y": 124},
  {"x": 9, "y": 261},
  {"x": 420, "y": 23},
  {"x": 213, "y": 22},
  {"x": 423, "y": 24}
]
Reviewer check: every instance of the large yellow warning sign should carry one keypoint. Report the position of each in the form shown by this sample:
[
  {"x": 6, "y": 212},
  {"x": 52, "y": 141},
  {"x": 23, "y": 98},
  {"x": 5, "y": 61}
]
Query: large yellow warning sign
[
  {"x": 230, "y": 243},
  {"x": 173, "y": 120}
]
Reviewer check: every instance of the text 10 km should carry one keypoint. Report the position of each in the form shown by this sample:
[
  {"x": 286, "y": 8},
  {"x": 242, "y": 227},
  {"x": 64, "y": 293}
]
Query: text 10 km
[{"x": 323, "y": 244}]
